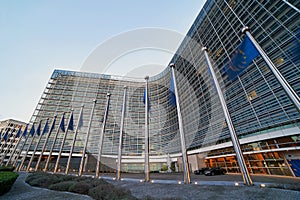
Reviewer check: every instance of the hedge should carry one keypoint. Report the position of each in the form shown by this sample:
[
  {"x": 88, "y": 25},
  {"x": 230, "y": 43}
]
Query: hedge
[{"x": 7, "y": 179}]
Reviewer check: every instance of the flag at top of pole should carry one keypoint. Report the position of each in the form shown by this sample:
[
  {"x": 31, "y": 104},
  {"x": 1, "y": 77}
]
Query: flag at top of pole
[
  {"x": 38, "y": 130},
  {"x": 46, "y": 128},
  {"x": 71, "y": 123},
  {"x": 62, "y": 124},
  {"x": 32, "y": 130},
  {"x": 243, "y": 56},
  {"x": 144, "y": 100},
  {"x": 5, "y": 137},
  {"x": 25, "y": 131},
  {"x": 19, "y": 133},
  {"x": 80, "y": 123},
  {"x": 172, "y": 97}
]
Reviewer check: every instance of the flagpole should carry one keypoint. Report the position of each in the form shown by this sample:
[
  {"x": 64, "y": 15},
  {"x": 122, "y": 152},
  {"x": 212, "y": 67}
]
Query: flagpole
[
  {"x": 36, "y": 147},
  {"x": 53, "y": 144},
  {"x": 74, "y": 140},
  {"x": 187, "y": 178},
  {"x": 45, "y": 143},
  {"x": 27, "y": 150},
  {"x": 102, "y": 135},
  {"x": 20, "y": 151},
  {"x": 147, "y": 165},
  {"x": 8, "y": 147},
  {"x": 63, "y": 143},
  {"x": 286, "y": 86},
  {"x": 236, "y": 144},
  {"x": 86, "y": 139},
  {"x": 121, "y": 135},
  {"x": 14, "y": 150}
]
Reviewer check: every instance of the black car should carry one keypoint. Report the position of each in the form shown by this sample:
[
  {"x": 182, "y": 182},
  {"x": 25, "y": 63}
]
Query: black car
[
  {"x": 215, "y": 171},
  {"x": 201, "y": 171}
]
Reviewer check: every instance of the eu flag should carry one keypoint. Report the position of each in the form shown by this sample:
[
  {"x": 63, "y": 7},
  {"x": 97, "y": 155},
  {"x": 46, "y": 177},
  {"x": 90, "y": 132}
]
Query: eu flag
[
  {"x": 243, "y": 56},
  {"x": 46, "y": 128},
  {"x": 62, "y": 124},
  {"x": 71, "y": 123},
  {"x": 18, "y": 133},
  {"x": 5, "y": 137},
  {"x": 32, "y": 130},
  {"x": 80, "y": 124},
  {"x": 38, "y": 130},
  {"x": 53, "y": 125},
  {"x": 172, "y": 97},
  {"x": 144, "y": 100},
  {"x": 25, "y": 131}
]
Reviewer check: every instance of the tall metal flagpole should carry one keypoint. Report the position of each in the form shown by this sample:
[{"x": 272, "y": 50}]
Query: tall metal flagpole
[
  {"x": 36, "y": 147},
  {"x": 26, "y": 153},
  {"x": 45, "y": 143},
  {"x": 14, "y": 150},
  {"x": 121, "y": 135},
  {"x": 8, "y": 147},
  {"x": 53, "y": 144},
  {"x": 63, "y": 143},
  {"x": 86, "y": 139},
  {"x": 236, "y": 144},
  {"x": 102, "y": 135},
  {"x": 74, "y": 140},
  {"x": 147, "y": 167},
  {"x": 20, "y": 151},
  {"x": 286, "y": 86},
  {"x": 187, "y": 178}
]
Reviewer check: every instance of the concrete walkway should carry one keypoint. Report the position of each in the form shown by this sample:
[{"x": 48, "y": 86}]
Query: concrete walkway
[{"x": 22, "y": 191}]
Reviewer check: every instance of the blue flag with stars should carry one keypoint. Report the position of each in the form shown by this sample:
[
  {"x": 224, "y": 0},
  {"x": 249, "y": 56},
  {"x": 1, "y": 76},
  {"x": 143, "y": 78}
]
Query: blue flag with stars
[
  {"x": 80, "y": 124},
  {"x": 144, "y": 100},
  {"x": 46, "y": 128},
  {"x": 32, "y": 130},
  {"x": 5, "y": 137},
  {"x": 243, "y": 56},
  {"x": 71, "y": 123},
  {"x": 172, "y": 97},
  {"x": 18, "y": 133},
  {"x": 38, "y": 130},
  {"x": 62, "y": 124},
  {"x": 25, "y": 131}
]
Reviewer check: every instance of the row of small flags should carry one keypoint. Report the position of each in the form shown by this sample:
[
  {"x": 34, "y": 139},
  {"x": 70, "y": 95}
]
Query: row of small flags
[{"x": 46, "y": 128}]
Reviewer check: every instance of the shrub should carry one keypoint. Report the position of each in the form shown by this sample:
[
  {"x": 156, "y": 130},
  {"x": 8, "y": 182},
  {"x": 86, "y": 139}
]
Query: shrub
[
  {"x": 7, "y": 169},
  {"x": 66, "y": 177},
  {"x": 41, "y": 179},
  {"x": 110, "y": 192},
  {"x": 7, "y": 179},
  {"x": 80, "y": 187},
  {"x": 62, "y": 186}
]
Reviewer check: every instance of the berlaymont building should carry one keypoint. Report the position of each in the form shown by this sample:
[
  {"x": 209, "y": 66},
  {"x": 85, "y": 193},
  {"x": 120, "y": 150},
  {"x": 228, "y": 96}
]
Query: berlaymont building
[{"x": 228, "y": 98}]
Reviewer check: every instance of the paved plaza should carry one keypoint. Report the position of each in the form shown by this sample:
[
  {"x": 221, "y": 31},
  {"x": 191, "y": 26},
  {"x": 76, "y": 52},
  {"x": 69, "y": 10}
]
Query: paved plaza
[{"x": 167, "y": 186}]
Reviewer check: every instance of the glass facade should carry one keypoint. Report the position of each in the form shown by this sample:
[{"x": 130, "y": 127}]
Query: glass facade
[{"x": 256, "y": 101}]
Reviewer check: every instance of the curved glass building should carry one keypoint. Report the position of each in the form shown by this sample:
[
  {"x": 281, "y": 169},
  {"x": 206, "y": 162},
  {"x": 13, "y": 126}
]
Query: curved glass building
[{"x": 265, "y": 119}]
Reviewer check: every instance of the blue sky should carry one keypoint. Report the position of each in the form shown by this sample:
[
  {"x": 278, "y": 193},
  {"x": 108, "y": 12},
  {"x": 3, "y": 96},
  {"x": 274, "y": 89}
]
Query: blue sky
[{"x": 38, "y": 36}]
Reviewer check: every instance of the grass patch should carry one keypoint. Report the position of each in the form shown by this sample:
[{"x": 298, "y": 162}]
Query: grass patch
[
  {"x": 96, "y": 188},
  {"x": 7, "y": 179}
]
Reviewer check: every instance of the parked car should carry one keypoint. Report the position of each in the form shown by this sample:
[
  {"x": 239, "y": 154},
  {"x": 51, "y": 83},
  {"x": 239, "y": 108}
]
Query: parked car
[
  {"x": 215, "y": 171},
  {"x": 200, "y": 171}
]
